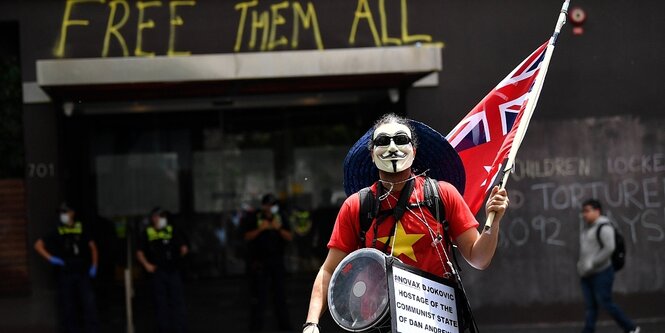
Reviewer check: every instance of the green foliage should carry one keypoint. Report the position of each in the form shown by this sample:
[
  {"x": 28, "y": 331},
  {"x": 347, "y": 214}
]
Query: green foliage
[{"x": 11, "y": 123}]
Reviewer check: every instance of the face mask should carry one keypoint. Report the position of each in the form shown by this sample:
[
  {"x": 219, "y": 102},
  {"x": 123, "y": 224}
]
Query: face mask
[
  {"x": 392, "y": 149},
  {"x": 274, "y": 209},
  {"x": 64, "y": 218},
  {"x": 161, "y": 223}
]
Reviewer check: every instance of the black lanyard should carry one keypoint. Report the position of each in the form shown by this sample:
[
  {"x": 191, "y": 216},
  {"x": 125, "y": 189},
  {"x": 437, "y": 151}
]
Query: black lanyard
[{"x": 397, "y": 212}]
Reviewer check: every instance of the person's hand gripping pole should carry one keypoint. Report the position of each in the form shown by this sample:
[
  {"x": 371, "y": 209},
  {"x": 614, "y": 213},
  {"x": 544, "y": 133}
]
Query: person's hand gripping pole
[{"x": 497, "y": 203}]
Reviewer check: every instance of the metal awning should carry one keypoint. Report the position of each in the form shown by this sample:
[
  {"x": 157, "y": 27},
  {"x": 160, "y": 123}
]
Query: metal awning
[{"x": 135, "y": 78}]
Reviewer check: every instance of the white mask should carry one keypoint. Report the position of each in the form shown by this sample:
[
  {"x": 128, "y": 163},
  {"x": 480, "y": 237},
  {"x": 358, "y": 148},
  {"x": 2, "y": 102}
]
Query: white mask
[
  {"x": 161, "y": 223},
  {"x": 274, "y": 209},
  {"x": 393, "y": 157},
  {"x": 64, "y": 218}
]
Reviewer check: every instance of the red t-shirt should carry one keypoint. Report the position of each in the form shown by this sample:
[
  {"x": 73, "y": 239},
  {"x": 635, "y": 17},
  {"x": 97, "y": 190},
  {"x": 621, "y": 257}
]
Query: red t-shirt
[{"x": 413, "y": 240}]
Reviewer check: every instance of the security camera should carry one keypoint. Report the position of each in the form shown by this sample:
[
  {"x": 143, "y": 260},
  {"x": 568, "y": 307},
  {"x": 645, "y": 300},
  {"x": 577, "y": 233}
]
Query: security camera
[
  {"x": 68, "y": 108},
  {"x": 393, "y": 95}
]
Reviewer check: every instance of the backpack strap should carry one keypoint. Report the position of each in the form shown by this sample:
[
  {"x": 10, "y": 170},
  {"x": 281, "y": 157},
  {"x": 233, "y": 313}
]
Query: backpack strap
[
  {"x": 397, "y": 212},
  {"x": 435, "y": 205},
  {"x": 433, "y": 201},
  {"x": 600, "y": 241},
  {"x": 367, "y": 212}
]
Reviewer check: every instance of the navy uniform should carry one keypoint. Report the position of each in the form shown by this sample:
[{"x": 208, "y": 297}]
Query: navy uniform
[
  {"x": 73, "y": 253},
  {"x": 160, "y": 251},
  {"x": 267, "y": 234}
]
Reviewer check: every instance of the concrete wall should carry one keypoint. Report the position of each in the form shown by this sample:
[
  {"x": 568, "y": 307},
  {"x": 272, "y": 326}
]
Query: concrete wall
[{"x": 613, "y": 68}]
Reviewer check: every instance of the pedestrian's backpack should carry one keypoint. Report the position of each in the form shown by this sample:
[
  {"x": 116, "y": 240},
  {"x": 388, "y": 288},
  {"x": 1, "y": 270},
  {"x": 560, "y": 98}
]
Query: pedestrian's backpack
[{"x": 619, "y": 253}]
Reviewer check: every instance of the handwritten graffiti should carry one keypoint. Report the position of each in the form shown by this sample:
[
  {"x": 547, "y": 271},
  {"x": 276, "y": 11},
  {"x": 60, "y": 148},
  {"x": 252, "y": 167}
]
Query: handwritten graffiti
[
  {"x": 632, "y": 193},
  {"x": 648, "y": 220},
  {"x": 626, "y": 193},
  {"x": 636, "y": 164},
  {"x": 519, "y": 232},
  {"x": 551, "y": 167},
  {"x": 365, "y": 15},
  {"x": 268, "y": 22},
  {"x": 119, "y": 12},
  {"x": 259, "y": 25}
]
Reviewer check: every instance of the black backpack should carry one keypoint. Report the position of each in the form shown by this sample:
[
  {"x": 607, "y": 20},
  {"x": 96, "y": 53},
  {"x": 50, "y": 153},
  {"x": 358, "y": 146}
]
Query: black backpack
[
  {"x": 369, "y": 209},
  {"x": 619, "y": 253}
]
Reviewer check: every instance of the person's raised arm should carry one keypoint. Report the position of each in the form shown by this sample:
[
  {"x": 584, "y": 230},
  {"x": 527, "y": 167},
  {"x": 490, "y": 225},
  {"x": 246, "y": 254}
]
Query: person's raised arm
[
  {"x": 478, "y": 248},
  {"x": 319, "y": 300},
  {"x": 282, "y": 228}
]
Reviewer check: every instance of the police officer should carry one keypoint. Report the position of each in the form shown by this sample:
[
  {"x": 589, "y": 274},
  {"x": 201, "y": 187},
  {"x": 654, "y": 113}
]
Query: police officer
[
  {"x": 160, "y": 250},
  {"x": 74, "y": 254},
  {"x": 266, "y": 234}
]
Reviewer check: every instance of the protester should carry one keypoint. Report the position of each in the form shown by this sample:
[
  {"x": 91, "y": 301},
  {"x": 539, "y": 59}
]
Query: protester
[{"x": 397, "y": 185}]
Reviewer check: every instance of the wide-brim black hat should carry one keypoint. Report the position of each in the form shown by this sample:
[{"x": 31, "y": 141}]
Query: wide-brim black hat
[{"x": 434, "y": 154}]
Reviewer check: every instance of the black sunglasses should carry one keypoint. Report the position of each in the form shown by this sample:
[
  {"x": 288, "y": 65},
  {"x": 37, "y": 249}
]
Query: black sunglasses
[{"x": 384, "y": 140}]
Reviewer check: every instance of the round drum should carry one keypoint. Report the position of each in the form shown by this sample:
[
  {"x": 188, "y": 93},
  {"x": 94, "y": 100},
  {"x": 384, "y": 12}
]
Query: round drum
[{"x": 358, "y": 292}]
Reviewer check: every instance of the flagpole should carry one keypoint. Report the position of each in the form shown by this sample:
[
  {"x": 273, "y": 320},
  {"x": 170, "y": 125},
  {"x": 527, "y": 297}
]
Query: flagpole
[{"x": 530, "y": 106}]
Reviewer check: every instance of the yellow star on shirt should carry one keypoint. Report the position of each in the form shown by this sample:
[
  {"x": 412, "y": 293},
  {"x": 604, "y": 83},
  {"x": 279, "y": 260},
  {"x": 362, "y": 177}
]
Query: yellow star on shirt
[{"x": 403, "y": 242}]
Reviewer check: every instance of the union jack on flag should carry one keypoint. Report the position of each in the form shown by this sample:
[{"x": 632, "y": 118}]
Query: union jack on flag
[{"x": 484, "y": 137}]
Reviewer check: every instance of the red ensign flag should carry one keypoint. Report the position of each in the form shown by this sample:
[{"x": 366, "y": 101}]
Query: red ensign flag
[{"x": 484, "y": 137}]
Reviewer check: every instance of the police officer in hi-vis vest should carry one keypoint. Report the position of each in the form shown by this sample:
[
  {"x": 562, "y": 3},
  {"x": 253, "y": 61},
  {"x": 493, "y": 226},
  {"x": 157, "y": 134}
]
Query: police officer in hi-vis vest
[
  {"x": 160, "y": 250},
  {"x": 73, "y": 253}
]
